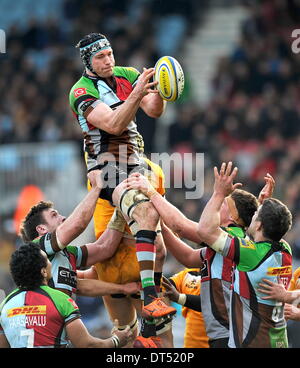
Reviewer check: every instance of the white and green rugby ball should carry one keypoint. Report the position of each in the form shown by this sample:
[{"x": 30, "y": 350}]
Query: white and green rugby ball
[{"x": 170, "y": 78}]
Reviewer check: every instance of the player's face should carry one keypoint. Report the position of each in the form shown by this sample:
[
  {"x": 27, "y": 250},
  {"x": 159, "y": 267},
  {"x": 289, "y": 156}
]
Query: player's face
[
  {"x": 103, "y": 63},
  {"x": 52, "y": 219},
  {"x": 254, "y": 226}
]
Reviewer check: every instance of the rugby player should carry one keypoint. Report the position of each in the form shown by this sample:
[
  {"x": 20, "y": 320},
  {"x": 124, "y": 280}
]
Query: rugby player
[
  {"x": 52, "y": 232},
  {"x": 105, "y": 101},
  {"x": 254, "y": 322},
  {"x": 36, "y": 315},
  {"x": 216, "y": 273},
  {"x": 123, "y": 267}
]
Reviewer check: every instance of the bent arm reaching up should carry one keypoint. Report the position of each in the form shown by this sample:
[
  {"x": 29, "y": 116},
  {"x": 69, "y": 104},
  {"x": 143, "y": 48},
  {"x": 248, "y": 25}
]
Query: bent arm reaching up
[
  {"x": 115, "y": 121},
  {"x": 209, "y": 225},
  {"x": 183, "y": 253},
  {"x": 172, "y": 217},
  {"x": 79, "y": 219}
]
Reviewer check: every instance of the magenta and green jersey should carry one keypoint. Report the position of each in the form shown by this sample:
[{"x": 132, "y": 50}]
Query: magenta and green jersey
[
  {"x": 85, "y": 95},
  {"x": 255, "y": 322},
  {"x": 64, "y": 262},
  {"x": 216, "y": 282},
  {"x": 37, "y": 318}
]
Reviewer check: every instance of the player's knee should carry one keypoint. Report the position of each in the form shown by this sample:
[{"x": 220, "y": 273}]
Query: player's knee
[{"x": 146, "y": 216}]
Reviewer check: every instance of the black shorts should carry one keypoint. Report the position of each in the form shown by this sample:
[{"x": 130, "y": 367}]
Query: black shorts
[{"x": 113, "y": 173}]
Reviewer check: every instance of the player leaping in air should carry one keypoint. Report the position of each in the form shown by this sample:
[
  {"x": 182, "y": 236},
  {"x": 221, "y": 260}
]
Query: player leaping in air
[{"x": 105, "y": 101}]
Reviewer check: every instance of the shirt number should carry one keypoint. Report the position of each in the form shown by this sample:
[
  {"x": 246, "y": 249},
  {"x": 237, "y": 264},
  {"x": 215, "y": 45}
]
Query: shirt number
[{"x": 30, "y": 333}]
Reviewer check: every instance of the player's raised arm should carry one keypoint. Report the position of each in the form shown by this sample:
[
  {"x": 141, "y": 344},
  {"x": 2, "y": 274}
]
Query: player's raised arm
[
  {"x": 209, "y": 225},
  {"x": 115, "y": 121},
  {"x": 183, "y": 253},
  {"x": 172, "y": 217},
  {"x": 79, "y": 219}
]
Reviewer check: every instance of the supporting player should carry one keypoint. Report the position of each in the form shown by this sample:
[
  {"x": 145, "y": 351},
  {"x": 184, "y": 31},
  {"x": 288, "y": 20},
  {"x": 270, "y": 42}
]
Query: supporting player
[
  {"x": 36, "y": 315},
  {"x": 263, "y": 324},
  {"x": 52, "y": 232},
  {"x": 216, "y": 273},
  {"x": 123, "y": 267}
]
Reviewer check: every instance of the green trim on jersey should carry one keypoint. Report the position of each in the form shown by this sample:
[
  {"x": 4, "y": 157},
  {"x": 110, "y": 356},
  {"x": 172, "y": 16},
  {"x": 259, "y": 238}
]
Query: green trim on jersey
[
  {"x": 91, "y": 90},
  {"x": 236, "y": 231},
  {"x": 61, "y": 301},
  {"x": 252, "y": 253},
  {"x": 129, "y": 73}
]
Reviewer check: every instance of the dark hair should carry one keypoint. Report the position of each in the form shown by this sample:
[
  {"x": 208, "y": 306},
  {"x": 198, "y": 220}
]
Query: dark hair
[
  {"x": 34, "y": 218},
  {"x": 90, "y": 38},
  {"x": 246, "y": 204},
  {"x": 25, "y": 266},
  {"x": 276, "y": 219}
]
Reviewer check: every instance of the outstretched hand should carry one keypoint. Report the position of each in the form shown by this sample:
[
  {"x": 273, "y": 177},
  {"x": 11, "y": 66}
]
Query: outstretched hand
[
  {"x": 144, "y": 86},
  {"x": 268, "y": 189},
  {"x": 224, "y": 179}
]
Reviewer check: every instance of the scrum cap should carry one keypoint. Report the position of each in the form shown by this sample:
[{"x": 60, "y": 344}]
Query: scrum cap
[{"x": 90, "y": 45}]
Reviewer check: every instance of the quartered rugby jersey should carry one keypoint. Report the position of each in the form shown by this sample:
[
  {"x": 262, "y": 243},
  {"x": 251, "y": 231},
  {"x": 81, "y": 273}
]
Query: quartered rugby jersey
[
  {"x": 37, "y": 318},
  {"x": 89, "y": 91},
  {"x": 188, "y": 281},
  {"x": 64, "y": 262},
  {"x": 255, "y": 322},
  {"x": 216, "y": 280}
]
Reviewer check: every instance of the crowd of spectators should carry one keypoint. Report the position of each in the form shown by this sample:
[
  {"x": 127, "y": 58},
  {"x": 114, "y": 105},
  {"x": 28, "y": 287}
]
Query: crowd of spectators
[{"x": 252, "y": 117}]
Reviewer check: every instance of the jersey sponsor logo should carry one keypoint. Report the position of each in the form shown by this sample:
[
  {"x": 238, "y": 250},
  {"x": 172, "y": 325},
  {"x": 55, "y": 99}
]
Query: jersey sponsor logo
[
  {"x": 275, "y": 271},
  {"x": 27, "y": 310},
  {"x": 67, "y": 277},
  {"x": 247, "y": 243},
  {"x": 79, "y": 92}
]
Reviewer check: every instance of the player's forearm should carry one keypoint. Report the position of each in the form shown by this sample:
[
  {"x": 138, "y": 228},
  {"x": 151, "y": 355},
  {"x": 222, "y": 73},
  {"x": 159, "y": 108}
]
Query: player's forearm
[
  {"x": 79, "y": 219},
  {"x": 190, "y": 301},
  {"x": 210, "y": 221},
  {"x": 290, "y": 297},
  {"x": 94, "y": 288},
  {"x": 153, "y": 105},
  {"x": 103, "y": 248},
  {"x": 3, "y": 341},
  {"x": 183, "y": 253},
  {"x": 116, "y": 121},
  {"x": 174, "y": 219}
]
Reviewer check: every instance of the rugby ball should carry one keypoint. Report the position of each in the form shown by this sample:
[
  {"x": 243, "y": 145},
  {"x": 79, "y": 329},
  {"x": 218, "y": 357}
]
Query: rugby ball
[{"x": 170, "y": 78}]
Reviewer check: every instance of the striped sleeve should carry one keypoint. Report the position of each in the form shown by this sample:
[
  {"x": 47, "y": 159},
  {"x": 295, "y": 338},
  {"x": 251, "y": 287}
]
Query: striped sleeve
[
  {"x": 48, "y": 243},
  {"x": 231, "y": 249}
]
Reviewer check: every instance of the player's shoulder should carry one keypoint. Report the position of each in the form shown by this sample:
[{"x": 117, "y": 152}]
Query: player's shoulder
[
  {"x": 81, "y": 87},
  {"x": 286, "y": 247},
  {"x": 127, "y": 72},
  {"x": 58, "y": 296}
]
